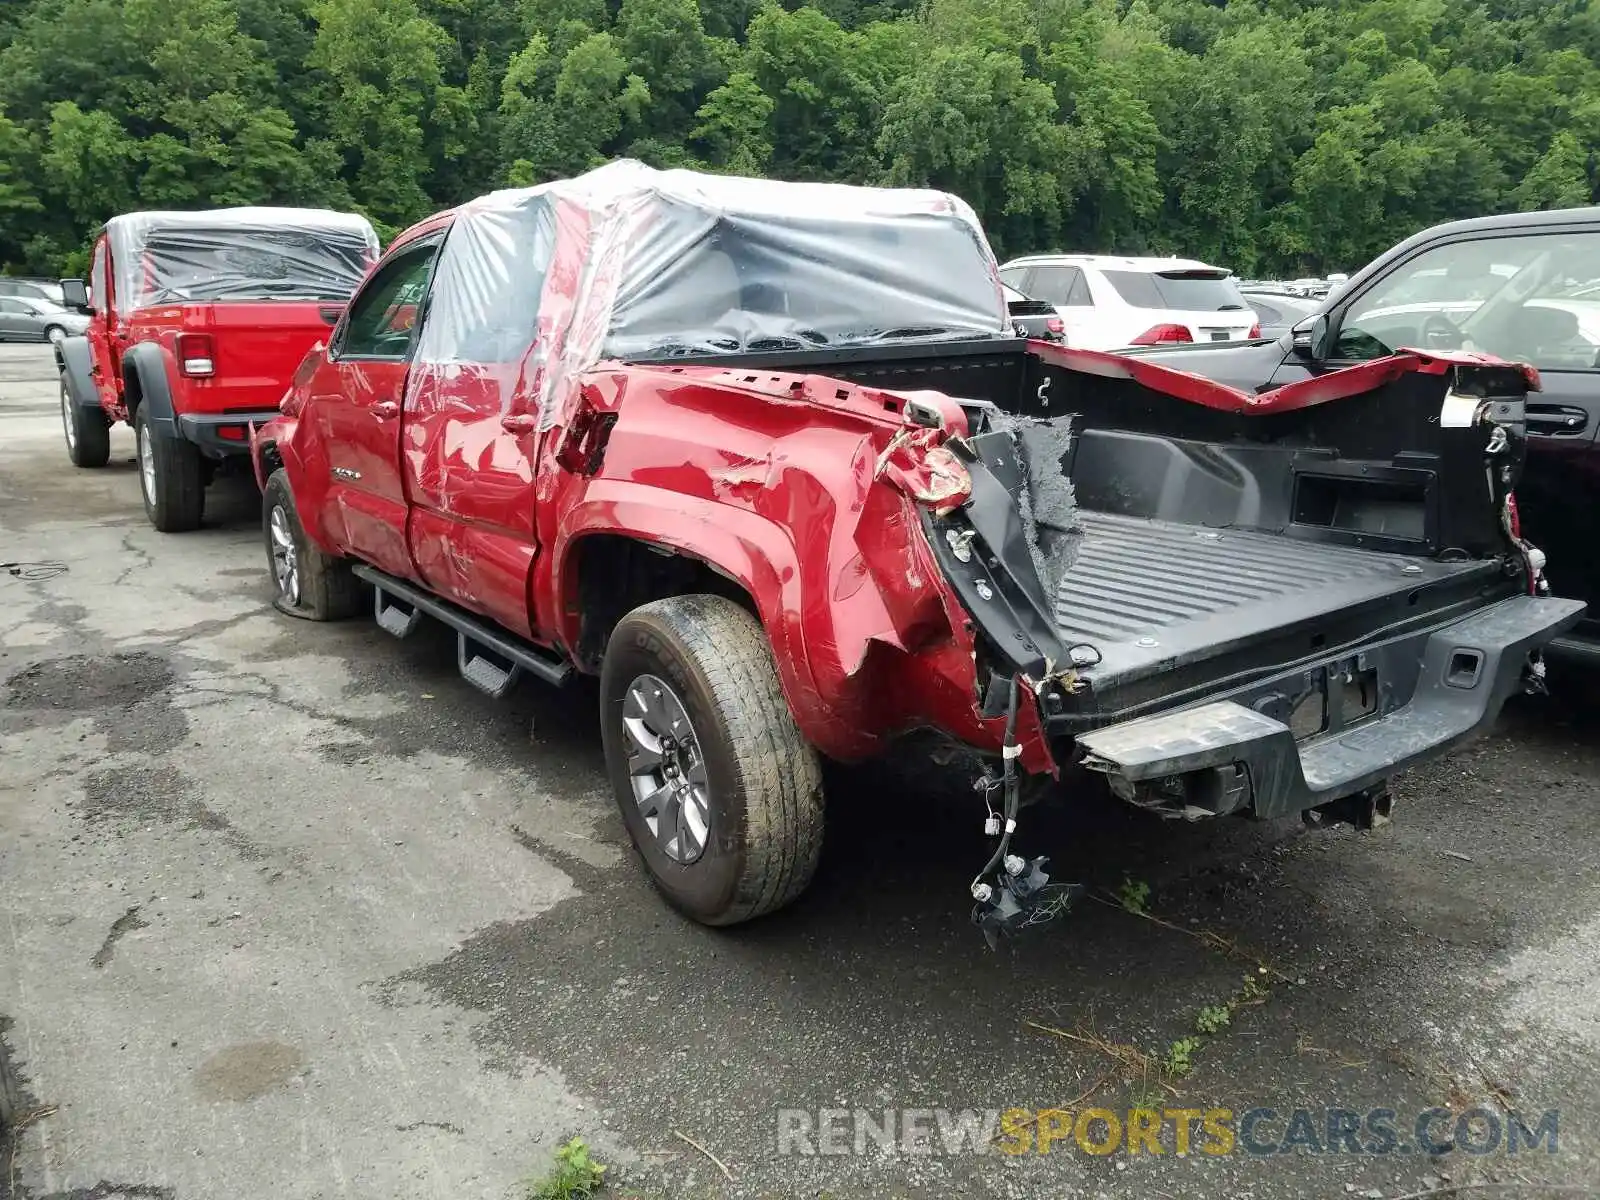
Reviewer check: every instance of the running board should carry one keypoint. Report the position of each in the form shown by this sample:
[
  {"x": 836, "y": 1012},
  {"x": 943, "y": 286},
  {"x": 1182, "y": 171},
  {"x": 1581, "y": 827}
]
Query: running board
[
  {"x": 490, "y": 659},
  {"x": 394, "y": 616}
]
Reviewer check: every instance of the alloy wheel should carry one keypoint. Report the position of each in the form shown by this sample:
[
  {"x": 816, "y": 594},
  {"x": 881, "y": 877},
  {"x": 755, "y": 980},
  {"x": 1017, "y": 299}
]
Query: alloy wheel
[
  {"x": 285, "y": 556},
  {"x": 667, "y": 769},
  {"x": 147, "y": 464},
  {"x": 66, "y": 421}
]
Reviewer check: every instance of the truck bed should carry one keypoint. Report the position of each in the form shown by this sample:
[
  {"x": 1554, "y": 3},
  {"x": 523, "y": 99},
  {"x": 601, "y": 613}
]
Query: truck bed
[{"x": 1153, "y": 595}]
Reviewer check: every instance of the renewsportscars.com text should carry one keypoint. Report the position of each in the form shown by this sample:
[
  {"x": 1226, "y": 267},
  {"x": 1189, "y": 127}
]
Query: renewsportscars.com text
[{"x": 1261, "y": 1131}]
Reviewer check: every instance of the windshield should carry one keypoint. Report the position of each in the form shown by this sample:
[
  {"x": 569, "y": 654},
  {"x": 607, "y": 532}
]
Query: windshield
[
  {"x": 1178, "y": 290},
  {"x": 244, "y": 263},
  {"x": 753, "y": 282}
]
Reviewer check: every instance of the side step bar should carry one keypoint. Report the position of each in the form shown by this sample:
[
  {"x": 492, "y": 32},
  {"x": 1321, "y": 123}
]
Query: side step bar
[{"x": 490, "y": 659}]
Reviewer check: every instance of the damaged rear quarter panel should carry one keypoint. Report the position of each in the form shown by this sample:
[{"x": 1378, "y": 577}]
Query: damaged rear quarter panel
[{"x": 781, "y": 483}]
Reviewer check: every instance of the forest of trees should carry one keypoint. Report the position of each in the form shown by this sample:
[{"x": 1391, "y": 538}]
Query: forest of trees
[{"x": 1263, "y": 135}]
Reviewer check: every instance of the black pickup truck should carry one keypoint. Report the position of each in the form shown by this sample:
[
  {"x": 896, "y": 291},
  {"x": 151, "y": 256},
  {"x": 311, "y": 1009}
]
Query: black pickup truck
[{"x": 1523, "y": 287}]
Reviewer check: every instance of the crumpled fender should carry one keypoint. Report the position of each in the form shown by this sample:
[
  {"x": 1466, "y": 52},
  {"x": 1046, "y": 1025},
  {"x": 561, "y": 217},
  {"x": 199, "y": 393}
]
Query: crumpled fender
[
  {"x": 287, "y": 440},
  {"x": 813, "y": 513}
]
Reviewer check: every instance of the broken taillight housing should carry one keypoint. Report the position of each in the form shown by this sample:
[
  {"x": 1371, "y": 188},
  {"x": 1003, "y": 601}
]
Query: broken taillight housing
[
  {"x": 1158, "y": 334},
  {"x": 1055, "y": 325},
  {"x": 197, "y": 355}
]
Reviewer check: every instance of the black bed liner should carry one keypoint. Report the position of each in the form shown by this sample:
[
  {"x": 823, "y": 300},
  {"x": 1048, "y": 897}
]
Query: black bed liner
[{"x": 1153, "y": 595}]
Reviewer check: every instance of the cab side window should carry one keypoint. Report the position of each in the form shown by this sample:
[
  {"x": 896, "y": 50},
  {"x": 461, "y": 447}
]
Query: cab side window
[{"x": 382, "y": 318}]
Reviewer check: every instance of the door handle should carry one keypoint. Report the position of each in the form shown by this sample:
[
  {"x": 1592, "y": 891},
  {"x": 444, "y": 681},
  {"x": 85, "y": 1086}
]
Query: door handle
[
  {"x": 386, "y": 410},
  {"x": 519, "y": 423},
  {"x": 1557, "y": 420}
]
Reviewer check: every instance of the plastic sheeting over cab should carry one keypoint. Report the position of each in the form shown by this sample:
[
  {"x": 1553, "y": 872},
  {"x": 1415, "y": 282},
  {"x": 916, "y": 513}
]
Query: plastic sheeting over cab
[
  {"x": 534, "y": 286},
  {"x": 238, "y": 254}
]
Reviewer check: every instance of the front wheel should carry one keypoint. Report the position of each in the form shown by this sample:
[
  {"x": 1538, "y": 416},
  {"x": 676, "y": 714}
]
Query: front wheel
[
  {"x": 309, "y": 582},
  {"x": 87, "y": 431},
  {"x": 720, "y": 793},
  {"x": 55, "y": 335},
  {"x": 171, "y": 478}
]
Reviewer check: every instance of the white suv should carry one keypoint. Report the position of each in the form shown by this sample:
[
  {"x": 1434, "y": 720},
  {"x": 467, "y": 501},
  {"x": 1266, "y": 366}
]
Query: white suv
[{"x": 1107, "y": 302}]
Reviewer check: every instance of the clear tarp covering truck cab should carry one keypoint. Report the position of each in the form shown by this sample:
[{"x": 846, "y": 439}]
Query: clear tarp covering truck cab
[
  {"x": 238, "y": 254},
  {"x": 627, "y": 262}
]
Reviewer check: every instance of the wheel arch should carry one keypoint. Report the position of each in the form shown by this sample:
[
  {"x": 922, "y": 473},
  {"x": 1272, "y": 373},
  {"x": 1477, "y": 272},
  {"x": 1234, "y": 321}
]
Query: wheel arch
[
  {"x": 147, "y": 383},
  {"x": 726, "y": 551},
  {"x": 76, "y": 365}
]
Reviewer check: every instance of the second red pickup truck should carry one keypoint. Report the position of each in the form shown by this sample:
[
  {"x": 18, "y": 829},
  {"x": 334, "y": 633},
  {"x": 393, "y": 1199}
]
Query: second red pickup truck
[
  {"x": 769, "y": 460},
  {"x": 197, "y": 322}
]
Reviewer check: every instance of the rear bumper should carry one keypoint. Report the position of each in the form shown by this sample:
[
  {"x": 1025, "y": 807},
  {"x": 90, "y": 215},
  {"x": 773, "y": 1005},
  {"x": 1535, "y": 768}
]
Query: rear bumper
[
  {"x": 222, "y": 434},
  {"x": 1238, "y": 753},
  {"x": 1580, "y": 647}
]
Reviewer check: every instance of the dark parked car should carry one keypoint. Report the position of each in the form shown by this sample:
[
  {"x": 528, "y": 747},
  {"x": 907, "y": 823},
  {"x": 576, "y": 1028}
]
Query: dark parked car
[
  {"x": 1522, "y": 286},
  {"x": 1278, "y": 312},
  {"x": 26, "y": 319}
]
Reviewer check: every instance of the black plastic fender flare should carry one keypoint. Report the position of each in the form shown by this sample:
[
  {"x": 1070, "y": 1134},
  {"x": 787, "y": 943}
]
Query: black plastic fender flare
[
  {"x": 76, "y": 365},
  {"x": 152, "y": 364}
]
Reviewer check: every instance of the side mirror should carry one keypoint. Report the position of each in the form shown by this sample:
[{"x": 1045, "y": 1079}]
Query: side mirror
[
  {"x": 1310, "y": 338},
  {"x": 75, "y": 294}
]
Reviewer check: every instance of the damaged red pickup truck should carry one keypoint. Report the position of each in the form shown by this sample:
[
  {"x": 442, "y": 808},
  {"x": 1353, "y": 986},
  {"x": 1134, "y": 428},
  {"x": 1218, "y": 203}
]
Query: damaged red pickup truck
[{"x": 767, "y": 459}]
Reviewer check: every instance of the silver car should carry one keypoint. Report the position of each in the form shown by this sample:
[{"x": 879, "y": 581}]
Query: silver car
[{"x": 26, "y": 319}]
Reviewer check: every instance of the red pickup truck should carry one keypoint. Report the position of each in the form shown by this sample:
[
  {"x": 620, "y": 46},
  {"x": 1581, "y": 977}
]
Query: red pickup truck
[
  {"x": 197, "y": 322},
  {"x": 769, "y": 460}
]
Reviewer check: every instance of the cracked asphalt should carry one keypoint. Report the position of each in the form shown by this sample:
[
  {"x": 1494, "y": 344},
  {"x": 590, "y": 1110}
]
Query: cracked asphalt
[{"x": 289, "y": 911}]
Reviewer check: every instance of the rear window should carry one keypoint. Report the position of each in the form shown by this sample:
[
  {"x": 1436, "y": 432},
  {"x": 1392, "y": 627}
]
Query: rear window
[
  {"x": 1181, "y": 291},
  {"x": 252, "y": 263}
]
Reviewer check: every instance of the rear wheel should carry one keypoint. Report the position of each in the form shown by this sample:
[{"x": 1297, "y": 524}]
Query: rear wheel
[
  {"x": 55, "y": 334},
  {"x": 721, "y": 795},
  {"x": 87, "y": 431},
  {"x": 171, "y": 478},
  {"x": 309, "y": 582}
]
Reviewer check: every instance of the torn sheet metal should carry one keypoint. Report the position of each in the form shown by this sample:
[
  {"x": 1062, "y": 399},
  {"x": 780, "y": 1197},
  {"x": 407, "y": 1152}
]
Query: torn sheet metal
[
  {"x": 1046, "y": 501},
  {"x": 927, "y": 472}
]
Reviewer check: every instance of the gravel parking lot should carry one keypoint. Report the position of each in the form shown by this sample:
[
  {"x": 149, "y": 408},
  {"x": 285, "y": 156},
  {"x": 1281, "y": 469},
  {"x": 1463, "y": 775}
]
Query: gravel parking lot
[{"x": 289, "y": 911}]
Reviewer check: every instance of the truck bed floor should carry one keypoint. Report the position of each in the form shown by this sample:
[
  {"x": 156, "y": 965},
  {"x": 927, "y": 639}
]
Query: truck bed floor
[{"x": 1149, "y": 593}]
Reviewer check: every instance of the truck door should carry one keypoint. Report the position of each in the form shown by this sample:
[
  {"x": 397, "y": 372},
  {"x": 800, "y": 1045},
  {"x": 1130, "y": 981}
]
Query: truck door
[
  {"x": 1529, "y": 293},
  {"x": 471, "y": 432},
  {"x": 105, "y": 351},
  {"x": 356, "y": 395}
]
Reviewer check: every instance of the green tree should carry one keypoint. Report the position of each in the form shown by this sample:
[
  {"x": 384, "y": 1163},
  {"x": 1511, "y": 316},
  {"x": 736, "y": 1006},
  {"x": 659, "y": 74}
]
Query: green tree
[
  {"x": 390, "y": 114},
  {"x": 735, "y": 125}
]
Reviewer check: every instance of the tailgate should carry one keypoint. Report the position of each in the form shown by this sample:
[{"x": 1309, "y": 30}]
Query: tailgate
[
  {"x": 255, "y": 347},
  {"x": 1337, "y": 561}
]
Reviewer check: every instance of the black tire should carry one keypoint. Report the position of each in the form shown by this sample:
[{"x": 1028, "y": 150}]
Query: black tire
[
  {"x": 325, "y": 587},
  {"x": 764, "y": 783},
  {"x": 11, "y": 1101},
  {"x": 87, "y": 432},
  {"x": 54, "y": 334},
  {"x": 10, "y": 1097},
  {"x": 172, "y": 481}
]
